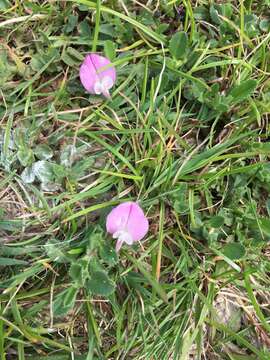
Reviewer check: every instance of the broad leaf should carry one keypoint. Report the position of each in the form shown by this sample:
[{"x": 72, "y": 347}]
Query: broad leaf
[
  {"x": 242, "y": 91},
  {"x": 234, "y": 251},
  {"x": 178, "y": 45},
  {"x": 100, "y": 284},
  {"x": 216, "y": 221},
  {"x": 43, "y": 152}
]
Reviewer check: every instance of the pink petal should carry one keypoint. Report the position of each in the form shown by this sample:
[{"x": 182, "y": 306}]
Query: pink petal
[
  {"x": 100, "y": 62},
  {"x": 91, "y": 72},
  {"x": 88, "y": 75},
  {"x": 118, "y": 217},
  {"x": 130, "y": 217},
  {"x": 137, "y": 224}
]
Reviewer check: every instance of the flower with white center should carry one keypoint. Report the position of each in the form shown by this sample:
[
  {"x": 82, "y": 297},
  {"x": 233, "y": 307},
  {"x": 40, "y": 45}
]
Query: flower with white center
[
  {"x": 127, "y": 223},
  {"x": 97, "y": 74}
]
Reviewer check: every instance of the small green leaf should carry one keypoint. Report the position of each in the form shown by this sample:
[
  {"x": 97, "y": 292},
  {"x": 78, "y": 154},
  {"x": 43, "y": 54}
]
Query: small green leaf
[
  {"x": 109, "y": 49},
  {"x": 59, "y": 172},
  {"x": 216, "y": 221},
  {"x": 41, "y": 58},
  {"x": 225, "y": 10},
  {"x": 201, "y": 13},
  {"x": 43, "y": 171},
  {"x": 74, "y": 53},
  {"x": 214, "y": 15},
  {"x": 79, "y": 271},
  {"x": 85, "y": 29},
  {"x": 68, "y": 154},
  {"x": 108, "y": 255},
  {"x": 43, "y": 152},
  {"x": 100, "y": 284},
  {"x": 234, "y": 251},
  {"x": 75, "y": 272},
  {"x": 25, "y": 156},
  {"x": 265, "y": 25},
  {"x": 95, "y": 238},
  {"x": 178, "y": 45},
  {"x": 28, "y": 175},
  {"x": 76, "y": 251},
  {"x": 68, "y": 60},
  {"x": 243, "y": 91},
  {"x": 71, "y": 23},
  {"x": 72, "y": 57},
  {"x": 161, "y": 28}
]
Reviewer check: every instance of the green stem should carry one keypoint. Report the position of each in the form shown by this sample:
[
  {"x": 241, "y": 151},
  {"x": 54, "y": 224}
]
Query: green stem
[{"x": 95, "y": 40}]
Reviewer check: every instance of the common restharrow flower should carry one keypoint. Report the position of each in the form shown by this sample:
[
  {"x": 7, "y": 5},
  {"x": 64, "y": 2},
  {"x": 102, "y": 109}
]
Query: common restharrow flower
[
  {"x": 127, "y": 223},
  {"x": 97, "y": 74}
]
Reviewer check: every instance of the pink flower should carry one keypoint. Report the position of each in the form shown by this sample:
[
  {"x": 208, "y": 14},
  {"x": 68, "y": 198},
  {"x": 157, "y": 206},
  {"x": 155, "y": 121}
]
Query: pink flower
[
  {"x": 127, "y": 223},
  {"x": 96, "y": 79}
]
